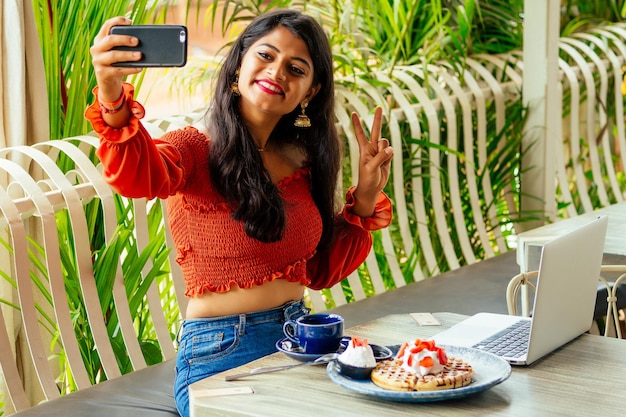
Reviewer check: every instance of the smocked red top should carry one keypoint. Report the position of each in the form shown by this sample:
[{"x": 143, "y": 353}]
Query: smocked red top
[{"x": 212, "y": 248}]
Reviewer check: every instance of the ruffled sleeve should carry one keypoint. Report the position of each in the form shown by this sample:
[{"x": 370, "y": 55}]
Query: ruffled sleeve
[
  {"x": 123, "y": 134},
  {"x": 351, "y": 245},
  {"x": 133, "y": 163},
  {"x": 379, "y": 220}
]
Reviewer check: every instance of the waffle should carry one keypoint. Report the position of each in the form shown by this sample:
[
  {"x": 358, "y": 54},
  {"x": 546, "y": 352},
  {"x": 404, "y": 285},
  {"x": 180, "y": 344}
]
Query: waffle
[{"x": 390, "y": 375}]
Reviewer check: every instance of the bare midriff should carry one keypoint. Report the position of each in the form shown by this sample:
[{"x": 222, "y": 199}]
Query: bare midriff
[{"x": 259, "y": 297}]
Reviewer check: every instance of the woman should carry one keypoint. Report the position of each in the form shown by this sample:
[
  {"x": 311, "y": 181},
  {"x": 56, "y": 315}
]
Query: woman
[{"x": 250, "y": 195}]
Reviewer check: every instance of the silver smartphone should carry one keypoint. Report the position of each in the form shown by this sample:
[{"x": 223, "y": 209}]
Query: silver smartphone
[{"x": 160, "y": 45}]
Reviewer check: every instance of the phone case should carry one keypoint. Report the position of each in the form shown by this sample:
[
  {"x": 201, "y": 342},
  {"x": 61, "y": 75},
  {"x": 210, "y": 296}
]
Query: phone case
[{"x": 160, "y": 45}]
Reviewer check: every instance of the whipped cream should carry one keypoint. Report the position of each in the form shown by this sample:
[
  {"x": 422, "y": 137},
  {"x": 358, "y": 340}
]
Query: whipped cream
[
  {"x": 422, "y": 357},
  {"x": 358, "y": 353}
]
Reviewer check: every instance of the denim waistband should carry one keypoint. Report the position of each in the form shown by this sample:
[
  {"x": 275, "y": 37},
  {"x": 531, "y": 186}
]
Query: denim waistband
[{"x": 280, "y": 313}]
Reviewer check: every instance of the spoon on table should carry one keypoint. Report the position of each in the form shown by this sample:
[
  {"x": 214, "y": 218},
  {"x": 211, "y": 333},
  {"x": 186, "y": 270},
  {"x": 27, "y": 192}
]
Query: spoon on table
[{"x": 265, "y": 369}]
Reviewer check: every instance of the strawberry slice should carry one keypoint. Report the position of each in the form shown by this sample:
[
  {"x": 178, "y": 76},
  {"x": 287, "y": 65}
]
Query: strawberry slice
[
  {"x": 358, "y": 342},
  {"x": 442, "y": 356},
  {"x": 402, "y": 349},
  {"x": 427, "y": 362}
]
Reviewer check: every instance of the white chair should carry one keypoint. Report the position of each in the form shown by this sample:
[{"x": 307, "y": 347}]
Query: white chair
[{"x": 521, "y": 289}]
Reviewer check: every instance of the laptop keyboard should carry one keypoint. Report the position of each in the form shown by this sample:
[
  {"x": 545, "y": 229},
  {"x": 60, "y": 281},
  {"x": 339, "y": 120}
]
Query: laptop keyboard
[{"x": 510, "y": 342}]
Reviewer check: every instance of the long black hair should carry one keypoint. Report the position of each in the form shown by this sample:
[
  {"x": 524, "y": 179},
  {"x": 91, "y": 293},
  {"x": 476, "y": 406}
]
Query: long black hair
[{"x": 237, "y": 170}]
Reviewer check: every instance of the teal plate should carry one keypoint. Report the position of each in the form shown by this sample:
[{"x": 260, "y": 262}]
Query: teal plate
[{"x": 489, "y": 370}]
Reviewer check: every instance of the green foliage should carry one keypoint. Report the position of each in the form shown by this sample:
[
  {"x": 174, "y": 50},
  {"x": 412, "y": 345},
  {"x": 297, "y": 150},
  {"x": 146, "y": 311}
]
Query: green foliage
[
  {"x": 499, "y": 27},
  {"x": 580, "y": 15},
  {"x": 106, "y": 255},
  {"x": 400, "y": 31}
]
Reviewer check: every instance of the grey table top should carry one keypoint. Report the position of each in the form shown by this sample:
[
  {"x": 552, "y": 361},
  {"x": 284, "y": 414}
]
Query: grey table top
[{"x": 466, "y": 290}]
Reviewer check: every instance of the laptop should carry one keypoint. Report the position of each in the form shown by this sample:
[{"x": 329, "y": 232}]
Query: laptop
[{"x": 564, "y": 302}]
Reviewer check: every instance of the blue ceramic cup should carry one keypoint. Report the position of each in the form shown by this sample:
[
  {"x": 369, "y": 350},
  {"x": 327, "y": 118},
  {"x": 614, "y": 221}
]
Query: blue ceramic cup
[{"x": 315, "y": 333}]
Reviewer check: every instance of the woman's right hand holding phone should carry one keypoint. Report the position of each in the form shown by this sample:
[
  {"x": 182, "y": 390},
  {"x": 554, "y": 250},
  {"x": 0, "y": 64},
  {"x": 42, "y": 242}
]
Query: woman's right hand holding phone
[{"x": 110, "y": 78}]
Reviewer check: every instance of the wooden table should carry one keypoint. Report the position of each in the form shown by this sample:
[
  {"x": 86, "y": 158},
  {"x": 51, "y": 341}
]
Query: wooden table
[{"x": 586, "y": 377}]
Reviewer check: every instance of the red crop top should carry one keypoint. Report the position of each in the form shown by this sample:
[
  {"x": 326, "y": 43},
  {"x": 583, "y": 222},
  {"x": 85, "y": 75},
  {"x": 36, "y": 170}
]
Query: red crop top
[{"x": 213, "y": 248}]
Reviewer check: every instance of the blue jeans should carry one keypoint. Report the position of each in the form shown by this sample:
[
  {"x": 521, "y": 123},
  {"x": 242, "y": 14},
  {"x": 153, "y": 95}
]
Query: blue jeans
[{"x": 212, "y": 345}]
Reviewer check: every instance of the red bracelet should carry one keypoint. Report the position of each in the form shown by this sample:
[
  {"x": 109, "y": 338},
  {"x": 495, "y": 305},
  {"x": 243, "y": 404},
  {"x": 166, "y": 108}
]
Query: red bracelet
[{"x": 114, "y": 107}]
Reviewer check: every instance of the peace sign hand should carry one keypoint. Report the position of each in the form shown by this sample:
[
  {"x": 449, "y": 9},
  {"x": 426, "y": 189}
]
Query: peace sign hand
[{"x": 375, "y": 156}]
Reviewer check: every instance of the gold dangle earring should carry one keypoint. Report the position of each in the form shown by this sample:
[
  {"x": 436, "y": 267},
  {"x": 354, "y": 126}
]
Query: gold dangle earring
[
  {"x": 303, "y": 120},
  {"x": 234, "y": 87}
]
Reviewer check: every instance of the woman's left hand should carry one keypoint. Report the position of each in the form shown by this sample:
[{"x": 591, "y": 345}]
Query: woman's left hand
[{"x": 375, "y": 156}]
